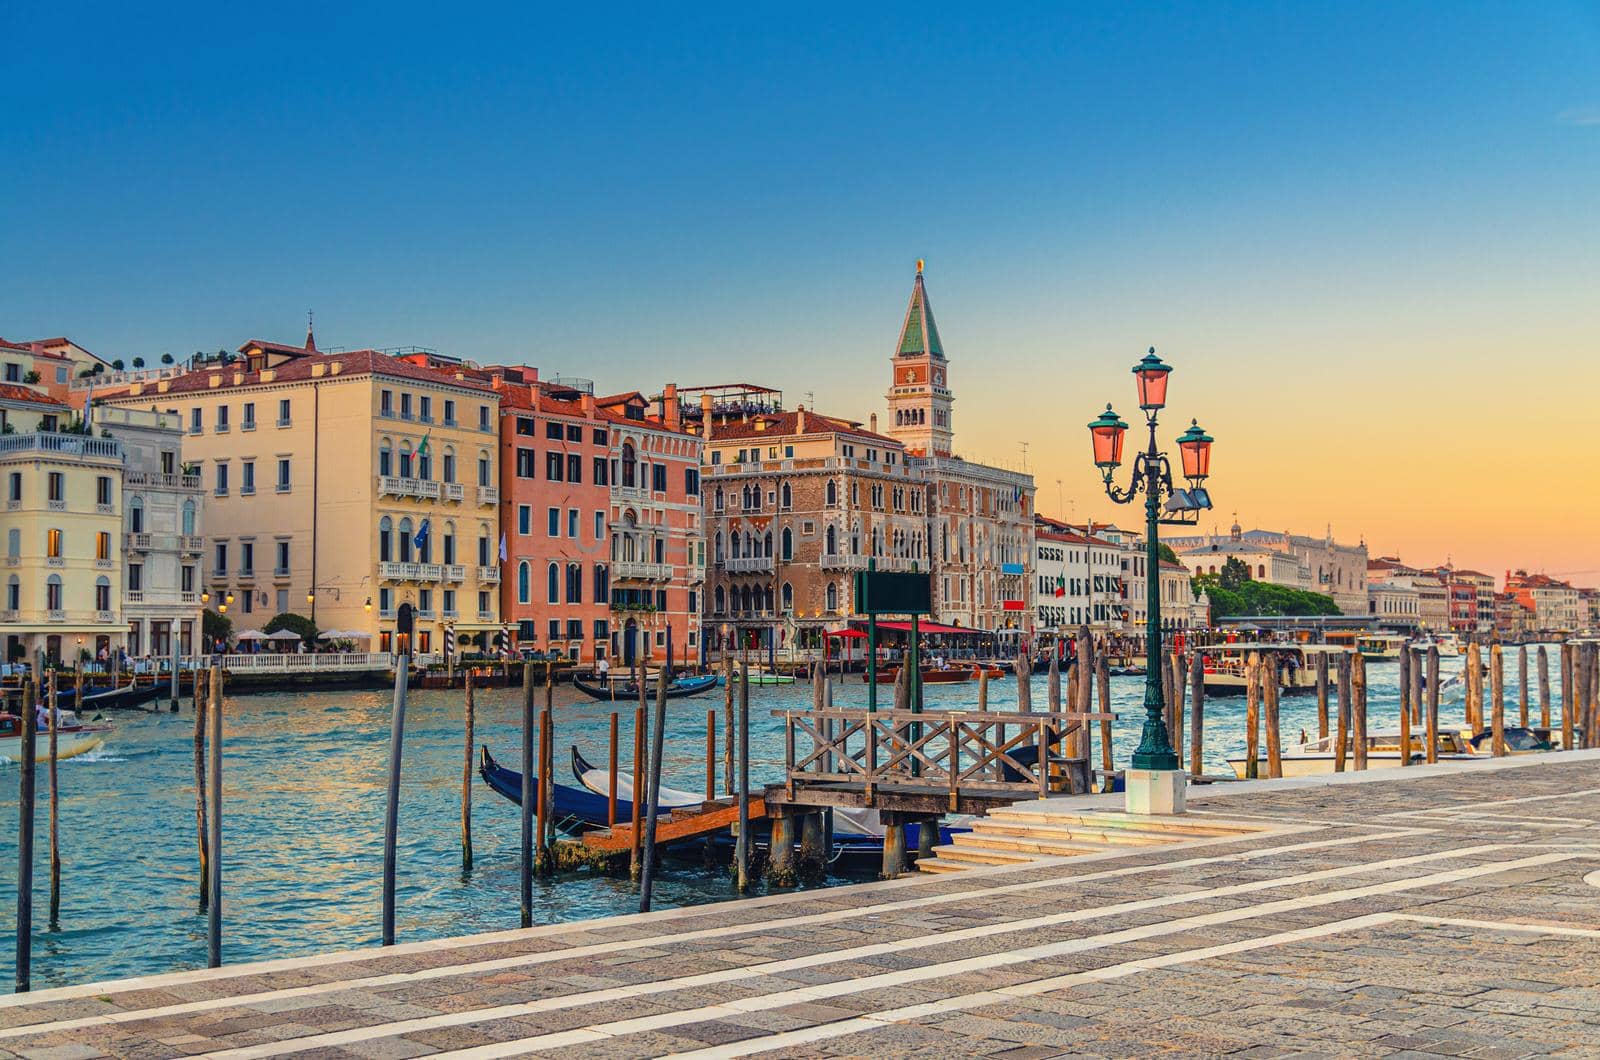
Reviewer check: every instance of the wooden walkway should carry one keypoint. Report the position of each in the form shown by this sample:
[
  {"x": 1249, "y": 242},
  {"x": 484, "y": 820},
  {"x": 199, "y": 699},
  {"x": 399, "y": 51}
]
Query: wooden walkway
[
  {"x": 691, "y": 822},
  {"x": 1449, "y": 910}
]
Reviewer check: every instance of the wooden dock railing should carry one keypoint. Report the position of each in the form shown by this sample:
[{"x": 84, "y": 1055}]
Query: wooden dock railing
[{"x": 962, "y": 753}]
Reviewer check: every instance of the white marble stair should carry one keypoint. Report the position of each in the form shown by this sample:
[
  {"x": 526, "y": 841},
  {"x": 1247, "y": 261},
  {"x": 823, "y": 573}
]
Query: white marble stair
[{"x": 1023, "y": 833}]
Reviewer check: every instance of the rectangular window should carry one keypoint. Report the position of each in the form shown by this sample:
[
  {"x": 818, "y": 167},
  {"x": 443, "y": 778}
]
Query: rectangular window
[
  {"x": 552, "y": 430},
  {"x": 222, "y": 479},
  {"x": 196, "y": 420},
  {"x": 102, "y": 545},
  {"x": 222, "y": 419},
  {"x": 525, "y": 464},
  {"x": 102, "y": 490},
  {"x": 553, "y": 465},
  {"x": 247, "y": 476},
  {"x": 600, "y": 436},
  {"x": 405, "y": 406},
  {"x": 221, "y": 567},
  {"x": 574, "y": 629},
  {"x": 52, "y": 543},
  {"x": 716, "y": 456},
  {"x": 247, "y": 557},
  {"x": 574, "y": 433},
  {"x": 555, "y": 629},
  {"x": 572, "y": 522},
  {"x": 136, "y": 577},
  {"x": 14, "y": 486},
  {"x": 283, "y": 413},
  {"x": 449, "y": 601},
  {"x": 284, "y": 483},
  {"x": 483, "y": 551},
  {"x": 553, "y": 525},
  {"x": 449, "y": 412},
  {"x": 248, "y": 601},
  {"x": 425, "y": 409},
  {"x": 524, "y": 519},
  {"x": 281, "y": 566},
  {"x": 483, "y": 417},
  {"x": 599, "y": 526},
  {"x": 658, "y": 477},
  {"x": 483, "y": 602},
  {"x": 691, "y": 481},
  {"x": 386, "y": 403},
  {"x": 188, "y": 579},
  {"x": 247, "y": 422},
  {"x": 574, "y": 467},
  {"x": 58, "y": 487},
  {"x": 525, "y": 426},
  {"x": 600, "y": 471},
  {"x": 602, "y": 629}
]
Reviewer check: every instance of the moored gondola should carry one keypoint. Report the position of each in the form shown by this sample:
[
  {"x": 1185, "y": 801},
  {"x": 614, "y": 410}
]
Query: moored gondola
[{"x": 624, "y": 688}]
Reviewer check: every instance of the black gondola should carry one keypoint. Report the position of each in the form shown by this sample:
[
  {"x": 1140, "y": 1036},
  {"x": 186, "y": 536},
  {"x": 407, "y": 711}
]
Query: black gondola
[{"x": 618, "y": 689}]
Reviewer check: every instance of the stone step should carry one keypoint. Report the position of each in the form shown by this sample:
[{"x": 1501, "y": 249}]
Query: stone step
[
  {"x": 1075, "y": 833},
  {"x": 1022, "y": 846},
  {"x": 979, "y": 854},
  {"x": 1165, "y": 826},
  {"x": 939, "y": 866}
]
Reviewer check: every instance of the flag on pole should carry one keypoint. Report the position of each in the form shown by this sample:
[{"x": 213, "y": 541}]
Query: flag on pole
[
  {"x": 1061, "y": 585},
  {"x": 422, "y": 533},
  {"x": 424, "y": 447},
  {"x": 502, "y": 548}
]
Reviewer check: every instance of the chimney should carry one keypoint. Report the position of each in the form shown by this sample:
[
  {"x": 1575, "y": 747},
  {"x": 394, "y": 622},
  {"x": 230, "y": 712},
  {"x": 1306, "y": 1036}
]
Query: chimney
[
  {"x": 800, "y": 420},
  {"x": 873, "y": 420},
  {"x": 586, "y": 402},
  {"x": 669, "y": 398}
]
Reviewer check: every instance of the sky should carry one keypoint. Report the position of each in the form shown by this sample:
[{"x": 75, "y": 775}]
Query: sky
[{"x": 1366, "y": 235}]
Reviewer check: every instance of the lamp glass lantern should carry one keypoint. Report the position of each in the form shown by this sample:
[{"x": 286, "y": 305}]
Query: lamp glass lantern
[
  {"x": 1107, "y": 432},
  {"x": 1195, "y": 445},
  {"x": 1151, "y": 373}
]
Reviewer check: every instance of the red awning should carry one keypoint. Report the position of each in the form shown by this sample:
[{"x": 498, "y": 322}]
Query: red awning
[
  {"x": 930, "y": 627},
  {"x": 848, "y": 634}
]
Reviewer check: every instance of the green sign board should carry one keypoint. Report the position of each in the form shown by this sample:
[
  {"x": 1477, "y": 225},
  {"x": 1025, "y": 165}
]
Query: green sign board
[{"x": 887, "y": 593}]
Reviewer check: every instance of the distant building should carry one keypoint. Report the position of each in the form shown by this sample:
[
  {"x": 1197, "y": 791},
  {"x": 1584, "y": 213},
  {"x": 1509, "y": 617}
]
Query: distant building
[
  {"x": 1395, "y": 604},
  {"x": 1554, "y": 604},
  {"x": 1265, "y": 562},
  {"x": 1077, "y": 578},
  {"x": 1324, "y": 565},
  {"x": 1179, "y": 608}
]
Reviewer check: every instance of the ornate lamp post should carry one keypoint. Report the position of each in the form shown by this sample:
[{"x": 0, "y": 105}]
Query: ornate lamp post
[{"x": 1163, "y": 503}]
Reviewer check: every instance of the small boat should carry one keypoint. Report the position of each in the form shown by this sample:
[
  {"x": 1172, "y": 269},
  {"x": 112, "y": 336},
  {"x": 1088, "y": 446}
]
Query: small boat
[
  {"x": 575, "y": 808},
  {"x": 622, "y": 687},
  {"x": 72, "y": 738},
  {"x": 1316, "y": 758},
  {"x": 950, "y": 675},
  {"x": 1519, "y": 741},
  {"x": 761, "y": 675},
  {"x": 1380, "y": 647},
  {"x": 1225, "y": 665},
  {"x": 128, "y": 697}
]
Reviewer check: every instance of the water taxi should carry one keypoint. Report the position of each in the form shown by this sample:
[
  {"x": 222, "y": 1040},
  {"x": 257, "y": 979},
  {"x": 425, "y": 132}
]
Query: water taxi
[
  {"x": 72, "y": 738},
  {"x": 1381, "y": 647},
  {"x": 761, "y": 675},
  {"x": 1224, "y": 665}
]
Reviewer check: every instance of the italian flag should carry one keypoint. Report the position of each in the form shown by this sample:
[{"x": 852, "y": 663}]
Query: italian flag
[
  {"x": 1061, "y": 585},
  {"x": 423, "y": 447}
]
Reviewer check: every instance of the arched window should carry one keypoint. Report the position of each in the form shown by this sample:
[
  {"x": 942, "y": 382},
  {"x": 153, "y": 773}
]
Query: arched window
[
  {"x": 733, "y": 545},
  {"x": 788, "y": 597},
  {"x": 405, "y": 540},
  {"x": 766, "y": 544},
  {"x": 188, "y": 518},
  {"x": 552, "y": 584},
  {"x": 449, "y": 540},
  {"x": 574, "y": 583},
  {"x": 13, "y": 593},
  {"x": 136, "y": 515},
  {"x": 766, "y": 597},
  {"x": 787, "y": 541},
  {"x": 602, "y": 584},
  {"x": 102, "y": 593},
  {"x": 385, "y": 540},
  {"x": 830, "y": 494},
  {"x": 424, "y": 464},
  {"x": 716, "y": 551},
  {"x": 832, "y": 546},
  {"x": 787, "y": 495},
  {"x": 405, "y": 459},
  {"x": 719, "y": 596},
  {"x": 1261, "y": 571},
  {"x": 385, "y": 458},
  {"x": 13, "y": 545},
  {"x": 717, "y": 503},
  {"x": 524, "y": 583},
  {"x": 630, "y": 461},
  {"x": 449, "y": 464},
  {"x": 483, "y": 469},
  {"x": 833, "y": 597},
  {"x": 52, "y": 593}
]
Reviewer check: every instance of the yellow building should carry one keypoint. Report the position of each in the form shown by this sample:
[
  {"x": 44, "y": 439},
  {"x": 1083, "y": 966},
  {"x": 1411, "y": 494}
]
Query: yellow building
[
  {"x": 63, "y": 526},
  {"x": 340, "y": 486}
]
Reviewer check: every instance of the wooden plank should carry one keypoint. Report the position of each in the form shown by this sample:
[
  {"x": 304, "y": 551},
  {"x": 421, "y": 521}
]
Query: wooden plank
[{"x": 675, "y": 827}]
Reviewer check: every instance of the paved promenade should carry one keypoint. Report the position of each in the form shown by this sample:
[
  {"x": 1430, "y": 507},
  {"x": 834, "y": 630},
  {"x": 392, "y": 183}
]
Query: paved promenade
[{"x": 1441, "y": 910}]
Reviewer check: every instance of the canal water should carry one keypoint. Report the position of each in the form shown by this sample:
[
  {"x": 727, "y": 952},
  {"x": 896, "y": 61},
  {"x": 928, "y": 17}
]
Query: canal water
[{"x": 303, "y": 819}]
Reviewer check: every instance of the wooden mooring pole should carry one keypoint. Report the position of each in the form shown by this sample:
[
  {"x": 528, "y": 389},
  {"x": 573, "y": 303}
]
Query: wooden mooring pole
[
  {"x": 1405, "y": 687},
  {"x": 55, "y": 800},
  {"x": 1358, "y": 709},
  {"x": 25, "y": 805},
  {"x": 1274, "y": 732},
  {"x": 1252, "y": 716},
  {"x": 741, "y": 846},
  {"x": 1544, "y": 688},
  {"x": 202, "y": 830},
  {"x": 727, "y": 718},
  {"x": 1433, "y": 704},
  {"x": 547, "y": 770},
  {"x": 1102, "y": 681},
  {"x": 1322, "y": 695},
  {"x": 653, "y": 792},
  {"x": 711, "y": 755},
  {"x": 1197, "y": 714},
  {"x": 214, "y": 790},
  {"x": 468, "y": 723},
  {"x": 1409, "y": 683},
  {"x": 635, "y": 818},
  {"x": 1497, "y": 688},
  {"x": 1474, "y": 689},
  {"x": 1342, "y": 717},
  {"x": 1566, "y": 697},
  {"x": 530, "y": 796},
  {"x": 1522, "y": 685},
  {"x": 611, "y": 780}
]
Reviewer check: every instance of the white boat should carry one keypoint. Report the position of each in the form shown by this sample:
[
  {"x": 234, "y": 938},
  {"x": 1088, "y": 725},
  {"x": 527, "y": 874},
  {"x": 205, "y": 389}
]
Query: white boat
[
  {"x": 1225, "y": 665},
  {"x": 761, "y": 675},
  {"x": 71, "y": 739},
  {"x": 1380, "y": 647}
]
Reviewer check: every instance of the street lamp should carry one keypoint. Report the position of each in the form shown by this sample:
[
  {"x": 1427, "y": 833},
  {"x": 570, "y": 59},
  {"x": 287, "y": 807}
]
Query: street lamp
[{"x": 1152, "y": 476}]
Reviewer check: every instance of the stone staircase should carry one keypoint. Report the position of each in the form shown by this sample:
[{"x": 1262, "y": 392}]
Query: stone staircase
[{"x": 1014, "y": 836}]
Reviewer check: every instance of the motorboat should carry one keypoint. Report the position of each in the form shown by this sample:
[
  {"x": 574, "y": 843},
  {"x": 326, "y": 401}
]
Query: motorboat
[
  {"x": 761, "y": 675},
  {"x": 1381, "y": 647},
  {"x": 1225, "y": 666},
  {"x": 931, "y": 675},
  {"x": 72, "y": 737},
  {"x": 1316, "y": 757}
]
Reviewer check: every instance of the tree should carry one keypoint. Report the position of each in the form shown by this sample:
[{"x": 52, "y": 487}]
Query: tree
[
  {"x": 294, "y": 623},
  {"x": 166, "y": 358},
  {"x": 117, "y": 364},
  {"x": 138, "y": 362},
  {"x": 1167, "y": 555},
  {"x": 1235, "y": 572},
  {"x": 1261, "y": 598},
  {"x": 31, "y": 378},
  {"x": 213, "y": 625}
]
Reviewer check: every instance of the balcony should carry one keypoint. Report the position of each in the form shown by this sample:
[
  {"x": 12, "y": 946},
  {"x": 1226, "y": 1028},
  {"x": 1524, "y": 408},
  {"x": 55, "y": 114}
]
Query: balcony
[
  {"x": 386, "y": 612},
  {"x": 55, "y": 561},
  {"x": 55, "y": 614},
  {"x": 10, "y": 616},
  {"x": 488, "y": 495},
  {"x": 105, "y": 509},
  {"x": 410, "y": 572},
  {"x": 133, "y": 596},
  {"x": 248, "y": 575},
  {"x": 57, "y": 506},
  {"x": 13, "y": 561},
  {"x": 455, "y": 572},
  {"x": 51, "y": 442},
  {"x": 489, "y": 575},
  {"x": 629, "y": 493},
  {"x": 188, "y": 597},
  {"x": 748, "y": 565},
  {"x": 843, "y": 561},
  {"x": 105, "y": 564},
  {"x": 455, "y": 491},
  {"x": 630, "y": 570},
  {"x": 451, "y": 613},
  {"x": 280, "y": 572},
  {"x": 191, "y": 543},
  {"x": 104, "y": 617},
  {"x": 393, "y": 486}
]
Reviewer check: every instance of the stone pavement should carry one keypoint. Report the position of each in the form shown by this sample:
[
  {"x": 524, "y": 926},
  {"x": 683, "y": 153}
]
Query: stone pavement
[{"x": 1449, "y": 910}]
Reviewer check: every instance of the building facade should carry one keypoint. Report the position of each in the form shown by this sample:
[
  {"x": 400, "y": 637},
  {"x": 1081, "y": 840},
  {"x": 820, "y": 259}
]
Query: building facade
[
  {"x": 1077, "y": 578},
  {"x": 1322, "y": 565},
  {"x": 1555, "y": 605},
  {"x": 340, "y": 486},
  {"x": 163, "y": 532},
  {"x": 63, "y": 529}
]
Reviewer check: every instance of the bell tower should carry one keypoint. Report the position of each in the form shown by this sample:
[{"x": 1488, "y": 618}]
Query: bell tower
[{"x": 919, "y": 392}]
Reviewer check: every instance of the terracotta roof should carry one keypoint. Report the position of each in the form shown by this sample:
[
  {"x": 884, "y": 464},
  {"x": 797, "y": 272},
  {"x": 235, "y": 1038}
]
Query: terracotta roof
[
  {"x": 1071, "y": 537},
  {"x": 16, "y": 392},
  {"x": 789, "y": 423},
  {"x": 354, "y": 363},
  {"x": 8, "y": 344}
]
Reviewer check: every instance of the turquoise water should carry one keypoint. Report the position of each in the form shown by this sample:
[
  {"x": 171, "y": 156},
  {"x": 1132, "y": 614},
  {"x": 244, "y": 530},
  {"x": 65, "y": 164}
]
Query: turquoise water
[{"x": 303, "y": 819}]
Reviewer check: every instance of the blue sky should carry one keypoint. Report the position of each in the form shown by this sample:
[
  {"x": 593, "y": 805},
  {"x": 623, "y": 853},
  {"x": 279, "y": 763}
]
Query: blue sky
[{"x": 1329, "y": 196}]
